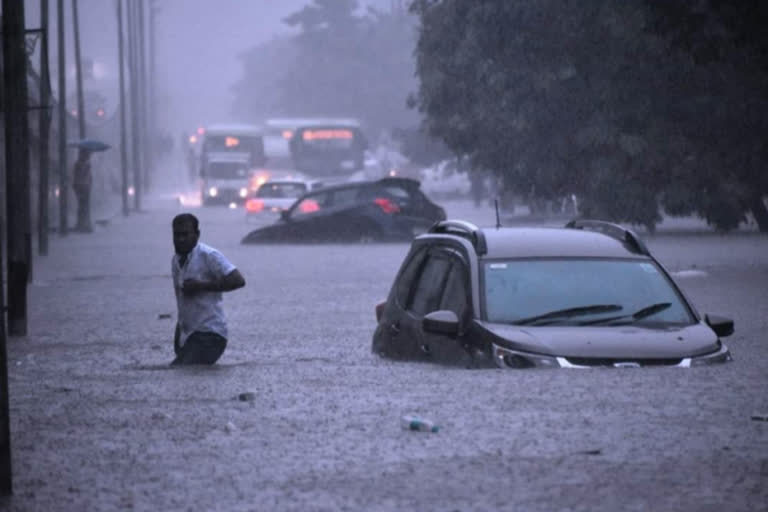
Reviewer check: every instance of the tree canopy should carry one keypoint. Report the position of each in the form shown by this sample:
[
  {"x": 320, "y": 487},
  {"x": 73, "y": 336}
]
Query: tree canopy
[
  {"x": 341, "y": 63},
  {"x": 633, "y": 106}
]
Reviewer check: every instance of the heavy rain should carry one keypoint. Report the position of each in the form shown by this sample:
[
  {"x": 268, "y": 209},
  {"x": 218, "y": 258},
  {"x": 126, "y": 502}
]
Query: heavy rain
[{"x": 442, "y": 255}]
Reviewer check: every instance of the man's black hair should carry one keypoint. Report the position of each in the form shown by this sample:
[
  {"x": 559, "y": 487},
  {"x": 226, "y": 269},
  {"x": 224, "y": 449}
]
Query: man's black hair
[{"x": 183, "y": 218}]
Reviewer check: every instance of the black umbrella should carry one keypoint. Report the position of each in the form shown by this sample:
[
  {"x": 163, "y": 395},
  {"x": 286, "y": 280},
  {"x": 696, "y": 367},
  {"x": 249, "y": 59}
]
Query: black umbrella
[{"x": 92, "y": 145}]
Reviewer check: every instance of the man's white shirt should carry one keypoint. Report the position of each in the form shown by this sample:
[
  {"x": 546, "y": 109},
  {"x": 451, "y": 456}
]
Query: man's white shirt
[{"x": 201, "y": 311}]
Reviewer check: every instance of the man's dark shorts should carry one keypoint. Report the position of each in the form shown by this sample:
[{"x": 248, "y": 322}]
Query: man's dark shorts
[{"x": 200, "y": 348}]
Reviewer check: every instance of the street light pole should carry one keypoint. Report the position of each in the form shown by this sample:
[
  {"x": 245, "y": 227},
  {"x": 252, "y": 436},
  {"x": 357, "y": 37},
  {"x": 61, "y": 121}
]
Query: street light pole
[
  {"x": 134, "y": 86},
  {"x": 142, "y": 76},
  {"x": 78, "y": 72}
]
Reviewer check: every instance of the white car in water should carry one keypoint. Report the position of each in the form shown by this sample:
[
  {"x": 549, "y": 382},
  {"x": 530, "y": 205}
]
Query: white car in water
[{"x": 274, "y": 196}]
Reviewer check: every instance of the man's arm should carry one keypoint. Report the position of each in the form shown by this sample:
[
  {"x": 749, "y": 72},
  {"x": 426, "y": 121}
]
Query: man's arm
[{"x": 231, "y": 281}]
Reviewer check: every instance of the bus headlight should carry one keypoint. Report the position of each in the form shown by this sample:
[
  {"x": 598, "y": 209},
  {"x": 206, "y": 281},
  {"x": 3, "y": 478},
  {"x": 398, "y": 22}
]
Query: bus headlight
[
  {"x": 243, "y": 192},
  {"x": 213, "y": 191}
]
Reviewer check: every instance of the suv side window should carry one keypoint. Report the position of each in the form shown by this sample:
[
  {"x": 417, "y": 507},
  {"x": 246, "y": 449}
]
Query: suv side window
[
  {"x": 455, "y": 294},
  {"x": 406, "y": 281},
  {"x": 429, "y": 289}
]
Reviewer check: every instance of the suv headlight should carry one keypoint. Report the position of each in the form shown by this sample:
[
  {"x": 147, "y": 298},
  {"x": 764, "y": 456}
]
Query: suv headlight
[
  {"x": 721, "y": 355},
  {"x": 506, "y": 358}
]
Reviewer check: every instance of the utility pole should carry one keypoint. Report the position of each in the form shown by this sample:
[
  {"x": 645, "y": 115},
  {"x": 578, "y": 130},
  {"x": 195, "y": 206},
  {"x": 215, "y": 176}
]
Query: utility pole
[
  {"x": 16, "y": 143},
  {"x": 78, "y": 72},
  {"x": 142, "y": 75},
  {"x": 19, "y": 236},
  {"x": 63, "y": 202},
  {"x": 134, "y": 89},
  {"x": 123, "y": 135},
  {"x": 44, "y": 126},
  {"x": 6, "y": 475}
]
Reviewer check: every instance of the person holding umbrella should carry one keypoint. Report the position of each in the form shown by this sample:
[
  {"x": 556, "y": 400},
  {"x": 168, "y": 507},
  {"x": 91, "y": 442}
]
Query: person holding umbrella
[{"x": 81, "y": 183}]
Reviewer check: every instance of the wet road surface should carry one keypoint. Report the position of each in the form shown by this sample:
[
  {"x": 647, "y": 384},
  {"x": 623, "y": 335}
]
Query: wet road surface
[{"x": 99, "y": 422}]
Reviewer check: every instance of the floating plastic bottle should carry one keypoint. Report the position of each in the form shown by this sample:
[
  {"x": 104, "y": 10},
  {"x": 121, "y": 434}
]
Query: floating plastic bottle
[{"x": 410, "y": 422}]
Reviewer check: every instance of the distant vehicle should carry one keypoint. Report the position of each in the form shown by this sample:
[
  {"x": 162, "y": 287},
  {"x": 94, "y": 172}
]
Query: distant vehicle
[
  {"x": 274, "y": 196},
  {"x": 390, "y": 209},
  {"x": 280, "y": 159},
  {"x": 233, "y": 139},
  {"x": 328, "y": 147},
  {"x": 277, "y": 136},
  {"x": 587, "y": 295},
  {"x": 225, "y": 178},
  {"x": 279, "y": 131},
  {"x": 229, "y": 156}
]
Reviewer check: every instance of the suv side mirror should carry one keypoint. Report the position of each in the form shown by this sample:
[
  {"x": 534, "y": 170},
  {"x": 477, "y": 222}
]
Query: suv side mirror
[
  {"x": 441, "y": 322},
  {"x": 722, "y": 326}
]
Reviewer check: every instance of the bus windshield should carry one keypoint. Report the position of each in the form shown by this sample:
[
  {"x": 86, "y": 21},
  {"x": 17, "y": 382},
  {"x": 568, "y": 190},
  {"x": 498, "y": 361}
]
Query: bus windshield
[
  {"x": 328, "y": 150},
  {"x": 234, "y": 142},
  {"x": 227, "y": 170}
]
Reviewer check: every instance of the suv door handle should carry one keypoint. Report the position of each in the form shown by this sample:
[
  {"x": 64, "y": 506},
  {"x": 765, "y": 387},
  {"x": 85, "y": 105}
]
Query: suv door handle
[{"x": 394, "y": 327}]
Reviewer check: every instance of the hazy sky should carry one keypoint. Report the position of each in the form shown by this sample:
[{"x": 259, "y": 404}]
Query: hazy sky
[{"x": 198, "y": 44}]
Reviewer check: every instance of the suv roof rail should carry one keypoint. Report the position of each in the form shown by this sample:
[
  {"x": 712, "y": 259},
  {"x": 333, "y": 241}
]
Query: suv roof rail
[
  {"x": 463, "y": 229},
  {"x": 624, "y": 235}
]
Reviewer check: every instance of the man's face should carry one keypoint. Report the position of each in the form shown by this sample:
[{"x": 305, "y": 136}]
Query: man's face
[{"x": 184, "y": 237}]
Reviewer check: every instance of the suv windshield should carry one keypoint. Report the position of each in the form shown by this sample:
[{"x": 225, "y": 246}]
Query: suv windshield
[{"x": 580, "y": 292}]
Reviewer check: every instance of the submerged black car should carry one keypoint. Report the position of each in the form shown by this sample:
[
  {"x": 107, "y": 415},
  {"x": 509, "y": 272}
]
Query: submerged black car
[
  {"x": 590, "y": 294},
  {"x": 389, "y": 209}
]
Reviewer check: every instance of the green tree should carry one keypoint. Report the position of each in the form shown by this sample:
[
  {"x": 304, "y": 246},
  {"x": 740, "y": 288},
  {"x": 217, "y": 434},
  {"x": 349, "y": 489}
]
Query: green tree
[
  {"x": 587, "y": 98},
  {"x": 724, "y": 112}
]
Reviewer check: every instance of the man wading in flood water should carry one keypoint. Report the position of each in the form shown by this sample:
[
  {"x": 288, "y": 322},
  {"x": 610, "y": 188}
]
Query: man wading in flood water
[{"x": 200, "y": 275}]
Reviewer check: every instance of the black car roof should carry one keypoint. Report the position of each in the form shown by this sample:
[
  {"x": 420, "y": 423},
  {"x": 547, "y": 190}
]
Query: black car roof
[
  {"x": 553, "y": 242},
  {"x": 578, "y": 239},
  {"x": 406, "y": 182}
]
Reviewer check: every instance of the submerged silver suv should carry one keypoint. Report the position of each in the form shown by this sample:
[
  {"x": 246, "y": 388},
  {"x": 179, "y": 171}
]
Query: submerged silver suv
[{"x": 589, "y": 294}]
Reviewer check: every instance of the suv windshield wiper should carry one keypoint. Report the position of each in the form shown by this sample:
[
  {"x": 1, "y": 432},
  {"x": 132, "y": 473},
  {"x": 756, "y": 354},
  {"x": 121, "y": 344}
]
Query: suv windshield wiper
[
  {"x": 569, "y": 312},
  {"x": 634, "y": 317}
]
